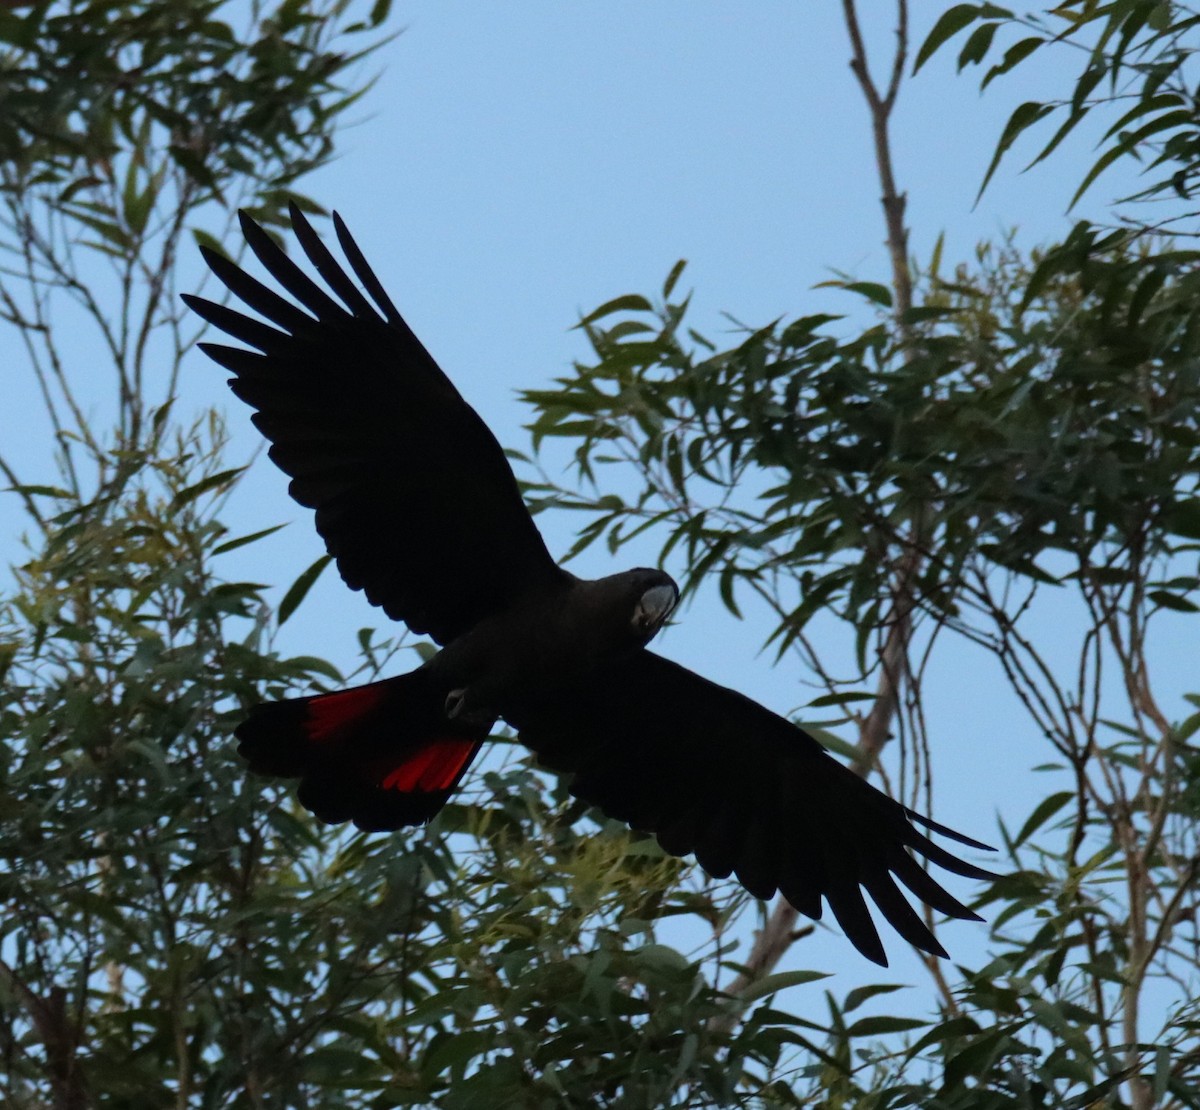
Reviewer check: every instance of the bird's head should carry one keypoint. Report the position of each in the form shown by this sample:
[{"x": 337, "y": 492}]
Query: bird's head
[{"x": 654, "y": 596}]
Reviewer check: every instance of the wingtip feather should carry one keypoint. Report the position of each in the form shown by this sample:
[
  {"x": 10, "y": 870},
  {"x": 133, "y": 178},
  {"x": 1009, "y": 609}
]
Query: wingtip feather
[
  {"x": 359, "y": 264},
  {"x": 945, "y": 830}
]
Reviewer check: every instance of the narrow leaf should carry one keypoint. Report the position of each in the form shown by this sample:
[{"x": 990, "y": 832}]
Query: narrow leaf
[
  {"x": 1128, "y": 145},
  {"x": 872, "y": 290},
  {"x": 205, "y": 485},
  {"x": 1042, "y": 813},
  {"x": 877, "y": 1026},
  {"x": 1173, "y": 601},
  {"x": 241, "y": 541},
  {"x": 948, "y": 25},
  {"x": 838, "y": 699},
  {"x": 1013, "y": 56},
  {"x": 299, "y": 588},
  {"x": 769, "y": 984},
  {"x": 630, "y": 302},
  {"x": 1023, "y": 117},
  {"x": 860, "y": 994},
  {"x": 40, "y": 491},
  {"x": 977, "y": 45},
  {"x": 673, "y": 277}
]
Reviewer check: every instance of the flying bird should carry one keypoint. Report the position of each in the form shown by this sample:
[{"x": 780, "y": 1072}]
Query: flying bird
[{"x": 420, "y": 509}]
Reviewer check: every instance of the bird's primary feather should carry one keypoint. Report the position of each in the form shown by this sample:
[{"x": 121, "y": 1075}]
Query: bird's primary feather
[
  {"x": 414, "y": 497},
  {"x": 710, "y": 771}
]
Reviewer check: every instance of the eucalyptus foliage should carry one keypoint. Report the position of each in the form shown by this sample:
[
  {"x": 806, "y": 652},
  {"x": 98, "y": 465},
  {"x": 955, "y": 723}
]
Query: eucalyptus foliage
[
  {"x": 1133, "y": 63},
  {"x": 1032, "y": 427},
  {"x": 1023, "y": 433}
]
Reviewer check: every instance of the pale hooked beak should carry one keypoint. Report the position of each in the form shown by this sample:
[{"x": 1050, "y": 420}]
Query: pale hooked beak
[{"x": 654, "y": 607}]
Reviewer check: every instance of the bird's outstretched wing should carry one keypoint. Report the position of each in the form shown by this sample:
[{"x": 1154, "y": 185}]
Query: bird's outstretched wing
[
  {"x": 413, "y": 495},
  {"x": 709, "y": 771}
]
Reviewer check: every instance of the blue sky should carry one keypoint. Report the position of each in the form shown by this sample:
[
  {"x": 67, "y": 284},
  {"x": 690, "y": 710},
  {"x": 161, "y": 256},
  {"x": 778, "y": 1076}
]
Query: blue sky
[{"x": 518, "y": 164}]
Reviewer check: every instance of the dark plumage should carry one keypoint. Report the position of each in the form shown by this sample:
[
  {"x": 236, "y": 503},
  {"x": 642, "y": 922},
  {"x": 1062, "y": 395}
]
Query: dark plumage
[{"x": 419, "y": 507}]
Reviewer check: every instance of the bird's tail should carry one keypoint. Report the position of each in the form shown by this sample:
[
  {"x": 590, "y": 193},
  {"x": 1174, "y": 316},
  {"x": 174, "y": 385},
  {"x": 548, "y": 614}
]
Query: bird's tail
[{"x": 383, "y": 755}]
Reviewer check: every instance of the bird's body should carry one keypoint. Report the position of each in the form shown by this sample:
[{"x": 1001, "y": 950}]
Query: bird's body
[
  {"x": 418, "y": 506},
  {"x": 547, "y": 641}
]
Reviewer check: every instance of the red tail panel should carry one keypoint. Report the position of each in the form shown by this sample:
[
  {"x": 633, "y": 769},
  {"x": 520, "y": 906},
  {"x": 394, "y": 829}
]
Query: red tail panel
[
  {"x": 436, "y": 766},
  {"x": 337, "y": 716},
  {"x": 383, "y": 756}
]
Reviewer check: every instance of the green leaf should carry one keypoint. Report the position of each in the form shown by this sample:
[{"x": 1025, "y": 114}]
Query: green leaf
[
  {"x": 1023, "y": 117},
  {"x": 976, "y": 47},
  {"x": 77, "y": 186},
  {"x": 725, "y": 587},
  {"x": 313, "y": 664},
  {"x": 1145, "y": 106},
  {"x": 1013, "y": 57},
  {"x": 40, "y": 491},
  {"x": 861, "y": 994},
  {"x": 831, "y": 741},
  {"x": 379, "y": 12},
  {"x": 878, "y": 1026},
  {"x": 206, "y": 485},
  {"x": 872, "y": 290},
  {"x": 948, "y": 25},
  {"x": 662, "y": 956},
  {"x": 1068, "y": 125},
  {"x": 839, "y": 699},
  {"x": 1143, "y": 295},
  {"x": 672, "y": 278},
  {"x": 1042, "y": 813},
  {"x": 1187, "y": 729},
  {"x": 1172, "y": 601},
  {"x": 109, "y": 230},
  {"x": 630, "y": 302},
  {"x": 1159, "y": 20},
  {"x": 241, "y": 541},
  {"x": 1129, "y": 144},
  {"x": 1183, "y": 519},
  {"x": 918, "y": 314},
  {"x": 1096, "y": 1095},
  {"x": 954, "y": 1027},
  {"x": 204, "y": 239},
  {"x": 137, "y": 204},
  {"x": 769, "y": 984},
  {"x": 299, "y": 588}
]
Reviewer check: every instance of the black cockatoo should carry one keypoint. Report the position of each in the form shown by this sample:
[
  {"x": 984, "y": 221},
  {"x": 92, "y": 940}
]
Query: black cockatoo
[{"x": 417, "y": 504}]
